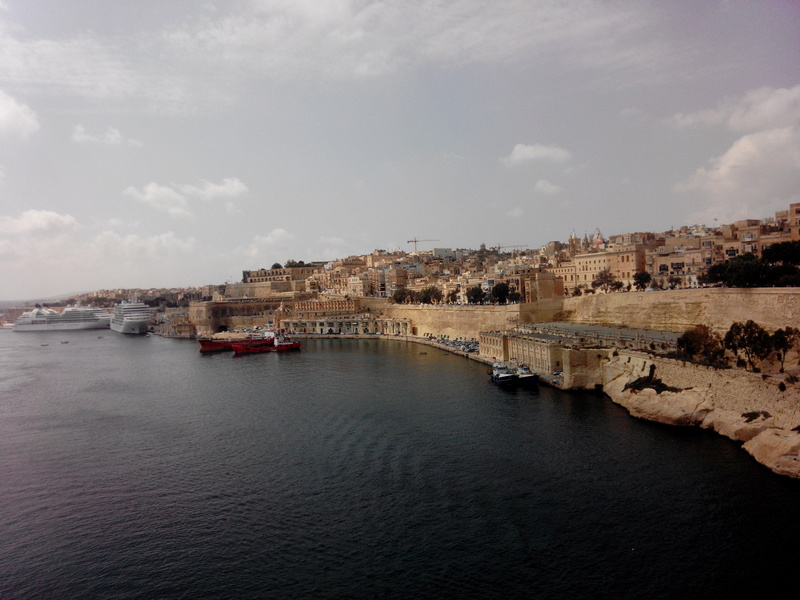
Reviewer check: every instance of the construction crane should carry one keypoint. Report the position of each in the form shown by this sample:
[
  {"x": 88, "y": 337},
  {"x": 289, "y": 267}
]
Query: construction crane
[
  {"x": 415, "y": 240},
  {"x": 515, "y": 247}
]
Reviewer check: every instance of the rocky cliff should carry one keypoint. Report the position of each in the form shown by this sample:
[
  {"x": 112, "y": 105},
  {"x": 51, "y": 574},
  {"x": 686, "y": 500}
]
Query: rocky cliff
[{"x": 741, "y": 406}]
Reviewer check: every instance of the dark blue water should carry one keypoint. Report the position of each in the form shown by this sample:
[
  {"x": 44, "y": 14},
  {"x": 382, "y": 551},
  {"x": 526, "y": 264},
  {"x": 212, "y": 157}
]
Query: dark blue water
[{"x": 134, "y": 467}]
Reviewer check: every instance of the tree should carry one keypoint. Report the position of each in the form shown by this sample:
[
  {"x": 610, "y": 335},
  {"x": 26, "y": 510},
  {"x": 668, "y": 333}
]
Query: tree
[
  {"x": 430, "y": 295},
  {"x": 475, "y": 295},
  {"x": 452, "y": 296},
  {"x": 276, "y": 265},
  {"x": 783, "y": 340},
  {"x": 514, "y": 296},
  {"x": 702, "y": 345},
  {"x": 751, "y": 339},
  {"x": 740, "y": 271},
  {"x": 787, "y": 253},
  {"x": 294, "y": 263},
  {"x": 673, "y": 282},
  {"x": 400, "y": 295},
  {"x": 604, "y": 279},
  {"x": 500, "y": 292},
  {"x": 617, "y": 286}
]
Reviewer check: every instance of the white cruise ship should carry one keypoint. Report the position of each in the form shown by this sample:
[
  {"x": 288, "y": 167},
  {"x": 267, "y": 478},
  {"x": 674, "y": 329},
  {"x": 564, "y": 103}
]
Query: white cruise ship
[
  {"x": 72, "y": 317},
  {"x": 130, "y": 317}
]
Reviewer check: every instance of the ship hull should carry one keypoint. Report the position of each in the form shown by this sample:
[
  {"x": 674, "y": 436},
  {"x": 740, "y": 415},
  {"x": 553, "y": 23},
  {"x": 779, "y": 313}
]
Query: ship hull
[
  {"x": 130, "y": 327},
  {"x": 60, "y": 326}
]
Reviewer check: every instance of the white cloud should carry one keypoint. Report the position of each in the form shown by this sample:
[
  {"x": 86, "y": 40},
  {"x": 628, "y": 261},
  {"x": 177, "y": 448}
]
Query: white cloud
[
  {"x": 536, "y": 152},
  {"x": 762, "y": 108},
  {"x": 759, "y": 172},
  {"x": 131, "y": 248},
  {"x": 172, "y": 198},
  {"x": 367, "y": 39},
  {"x": 161, "y": 197},
  {"x": 37, "y": 222},
  {"x": 229, "y": 188},
  {"x": 277, "y": 241},
  {"x": 16, "y": 119},
  {"x": 111, "y": 137},
  {"x": 516, "y": 212},
  {"x": 545, "y": 187}
]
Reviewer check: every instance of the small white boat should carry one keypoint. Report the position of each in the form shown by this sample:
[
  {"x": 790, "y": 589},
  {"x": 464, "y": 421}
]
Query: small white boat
[
  {"x": 525, "y": 375},
  {"x": 501, "y": 373}
]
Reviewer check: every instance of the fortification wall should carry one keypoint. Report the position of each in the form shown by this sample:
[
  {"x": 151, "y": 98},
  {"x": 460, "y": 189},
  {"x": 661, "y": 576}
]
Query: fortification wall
[
  {"x": 468, "y": 321},
  {"x": 678, "y": 310}
]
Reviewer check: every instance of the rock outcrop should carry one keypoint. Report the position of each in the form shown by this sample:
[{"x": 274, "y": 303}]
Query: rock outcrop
[
  {"x": 647, "y": 397},
  {"x": 777, "y": 449}
]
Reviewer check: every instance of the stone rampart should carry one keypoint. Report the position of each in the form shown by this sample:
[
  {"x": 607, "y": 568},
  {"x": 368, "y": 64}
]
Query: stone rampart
[
  {"x": 458, "y": 321},
  {"x": 678, "y": 310}
]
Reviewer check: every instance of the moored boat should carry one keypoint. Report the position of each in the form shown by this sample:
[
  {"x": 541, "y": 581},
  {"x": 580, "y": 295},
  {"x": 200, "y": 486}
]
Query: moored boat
[
  {"x": 130, "y": 317},
  {"x": 502, "y": 373},
  {"x": 71, "y": 318},
  {"x": 278, "y": 342},
  {"x": 212, "y": 345},
  {"x": 525, "y": 376}
]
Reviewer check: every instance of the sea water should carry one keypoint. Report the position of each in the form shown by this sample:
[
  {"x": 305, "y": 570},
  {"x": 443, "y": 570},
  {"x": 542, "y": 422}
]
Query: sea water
[{"x": 135, "y": 467}]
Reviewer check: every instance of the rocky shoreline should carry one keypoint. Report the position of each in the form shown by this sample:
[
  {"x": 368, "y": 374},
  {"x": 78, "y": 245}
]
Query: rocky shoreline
[{"x": 763, "y": 427}]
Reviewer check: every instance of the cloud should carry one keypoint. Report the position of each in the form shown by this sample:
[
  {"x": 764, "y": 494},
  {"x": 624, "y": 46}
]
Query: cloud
[
  {"x": 516, "y": 212},
  {"x": 536, "y": 152},
  {"x": 759, "y": 172},
  {"x": 161, "y": 197},
  {"x": 130, "y": 248},
  {"x": 762, "y": 108},
  {"x": 265, "y": 246},
  {"x": 545, "y": 187},
  {"x": 229, "y": 188},
  {"x": 112, "y": 137},
  {"x": 37, "y": 222},
  {"x": 345, "y": 38},
  {"x": 17, "y": 120},
  {"x": 172, "y": 199}
]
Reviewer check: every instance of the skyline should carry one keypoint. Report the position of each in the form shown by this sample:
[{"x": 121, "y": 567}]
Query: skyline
[{"x": 177, "y": 144}]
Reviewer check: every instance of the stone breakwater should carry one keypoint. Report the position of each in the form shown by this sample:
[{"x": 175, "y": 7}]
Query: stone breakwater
[{"x": 740, "y": 405}]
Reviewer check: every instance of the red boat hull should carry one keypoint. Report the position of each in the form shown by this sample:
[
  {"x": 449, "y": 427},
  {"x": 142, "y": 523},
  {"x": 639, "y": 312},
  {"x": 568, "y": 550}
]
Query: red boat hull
[
  {"x": 215, "y": 345},
  {"x": 261, "y": 347}
]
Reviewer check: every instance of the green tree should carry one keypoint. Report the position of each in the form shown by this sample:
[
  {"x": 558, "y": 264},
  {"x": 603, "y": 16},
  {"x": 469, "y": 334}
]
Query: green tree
[
  {"x": 702, "y": 345},
  {"x": 749, "y": 338},
  {"x": 514, "y": 296},
  {"x": 787, "y": 253},
  {"x": 430, "y": 295},
  {"x": 673, "y": 282},
  {"x": 783, "y": 340},
  {"x": 741, "y": 271},
  {"x": 400, "y": 295},
  {"x": 604, "y": 279},
  {"x": 475, "y": 295},
  {"x": 452, "y": 296},
  {"x": 500, "y": 292},
  {"x": 294, "y": 263},
  {"x": 276, "y": 265}
]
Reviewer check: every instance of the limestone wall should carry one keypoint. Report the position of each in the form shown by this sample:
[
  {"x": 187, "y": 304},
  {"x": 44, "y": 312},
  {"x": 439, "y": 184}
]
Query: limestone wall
[
  {"x": 468, "y": 321},
  {"x": 678, "y": 310},
  {"x": 453, "y": 320}
]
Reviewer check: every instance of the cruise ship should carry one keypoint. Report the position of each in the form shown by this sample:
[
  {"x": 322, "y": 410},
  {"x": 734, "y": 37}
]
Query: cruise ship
[
  {"x": 72, "y": 317},
  {"x": 130, "y": 317}
]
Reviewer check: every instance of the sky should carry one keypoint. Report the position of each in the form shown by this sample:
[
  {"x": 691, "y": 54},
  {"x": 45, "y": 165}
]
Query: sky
[{"x": 170, "y": 144}]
